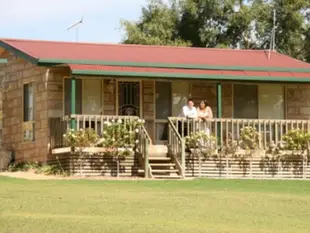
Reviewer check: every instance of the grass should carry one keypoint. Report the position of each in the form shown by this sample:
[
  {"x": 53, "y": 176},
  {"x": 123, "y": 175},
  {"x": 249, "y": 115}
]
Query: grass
[{"x": 83, "y": 206}]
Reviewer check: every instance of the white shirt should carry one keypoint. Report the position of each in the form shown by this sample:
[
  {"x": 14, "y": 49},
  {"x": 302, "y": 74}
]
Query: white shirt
[{"x": 189, "y": 112}]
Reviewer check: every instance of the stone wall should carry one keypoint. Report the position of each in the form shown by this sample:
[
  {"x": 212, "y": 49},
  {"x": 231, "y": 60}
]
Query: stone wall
[
  {"x": 148, "y": 114},
  {"x": 298, "y": 102},
  {"x": 227, "y": 100},
  {"x": 206, "y": 90},
  {"x": 1, "y": 87},
  {"x": 55, "y": 89},
  {"x": 18, "y": 72}
]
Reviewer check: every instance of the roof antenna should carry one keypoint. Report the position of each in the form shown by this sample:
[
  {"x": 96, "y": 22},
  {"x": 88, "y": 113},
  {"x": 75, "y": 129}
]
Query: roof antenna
[
  {"x": 76, "y": 26},
  {"x": 273, "y": 35}
]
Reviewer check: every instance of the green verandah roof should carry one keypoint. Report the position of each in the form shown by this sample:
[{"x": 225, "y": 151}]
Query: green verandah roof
[{"x": 165, "y": 73}]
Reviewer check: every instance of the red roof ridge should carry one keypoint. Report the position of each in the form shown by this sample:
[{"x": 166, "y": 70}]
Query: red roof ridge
[{"x": 133, "y": 45}]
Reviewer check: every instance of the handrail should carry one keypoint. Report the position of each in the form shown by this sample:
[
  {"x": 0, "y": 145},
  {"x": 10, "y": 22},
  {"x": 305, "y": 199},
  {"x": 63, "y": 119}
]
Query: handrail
[
  {"x": 176, "y": 145},
  {"x": 147, "y": 135},
  {"x": 144, "y": 142}
]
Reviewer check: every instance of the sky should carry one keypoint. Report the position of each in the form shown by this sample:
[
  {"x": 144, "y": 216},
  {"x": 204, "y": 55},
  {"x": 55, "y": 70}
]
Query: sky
[{"x": 49, "y": 19}]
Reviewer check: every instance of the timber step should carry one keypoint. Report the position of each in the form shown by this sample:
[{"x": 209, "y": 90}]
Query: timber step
[
  {"x": 164, "y": 170},
  {"x": 162, "y": 164},
  {"x": 160, "y": 158},
  {"x": 167, "y": 177}
]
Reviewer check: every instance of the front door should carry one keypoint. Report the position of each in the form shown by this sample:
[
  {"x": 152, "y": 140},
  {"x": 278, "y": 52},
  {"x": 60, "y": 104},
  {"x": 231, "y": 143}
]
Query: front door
[
  {"x": 163, "y": 111},
  {"x": 129, "y": 98}
]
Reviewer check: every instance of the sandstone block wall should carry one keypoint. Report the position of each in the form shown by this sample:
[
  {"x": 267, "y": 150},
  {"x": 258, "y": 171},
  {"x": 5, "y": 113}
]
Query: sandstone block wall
[
  {"x": 206, "y": 90},
  {"x": 298, "y": 101},
  {"x": 17, "y": 73}
]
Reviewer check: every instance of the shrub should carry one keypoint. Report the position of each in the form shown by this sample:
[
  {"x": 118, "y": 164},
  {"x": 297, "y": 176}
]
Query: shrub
[
  {"x": 249, "y": 138},
  {"x": 117, "y": 134},
  {"x": 296, "y": 139},
  {"x": 81, "y": 138},
  {"x": 37, "y": 168}
]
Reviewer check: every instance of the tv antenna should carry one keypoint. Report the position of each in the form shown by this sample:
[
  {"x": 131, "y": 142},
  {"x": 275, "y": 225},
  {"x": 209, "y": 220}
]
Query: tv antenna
[
  {"x": 273, "y": 35},
  {"x": 76, "y": 26}
]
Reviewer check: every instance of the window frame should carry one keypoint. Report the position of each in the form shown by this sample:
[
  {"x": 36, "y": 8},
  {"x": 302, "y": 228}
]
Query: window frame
[{"x": 28, "y": 125}]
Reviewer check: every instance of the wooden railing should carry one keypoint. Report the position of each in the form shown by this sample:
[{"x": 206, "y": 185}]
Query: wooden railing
[
  {"x": 225, "y": 130},
  {"x": 176, "y": 147},
  {"x": 59, "y": 126},
  {"x": 143, "y": 148}
]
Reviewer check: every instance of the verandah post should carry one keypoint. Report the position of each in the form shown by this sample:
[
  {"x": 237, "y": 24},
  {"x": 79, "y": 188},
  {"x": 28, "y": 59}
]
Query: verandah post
[
  {"x": 219, "y": 111},
  {"x": 72, "y": 102}
]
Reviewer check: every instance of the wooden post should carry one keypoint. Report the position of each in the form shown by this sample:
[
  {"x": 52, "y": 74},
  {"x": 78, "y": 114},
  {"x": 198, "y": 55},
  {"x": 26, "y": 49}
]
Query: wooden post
[
  {"x": 227, "y": 166},
  {"x": 199, "y": 163},
  {"x": 183, "y": 157},
  {"x": 146, "y": 159},
  {"x": 219, "y": 111},
  {"x": 72, "y": 102},
  {"x": 251, "y": 167}
]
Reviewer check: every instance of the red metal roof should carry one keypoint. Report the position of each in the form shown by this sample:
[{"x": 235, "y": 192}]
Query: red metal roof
[
  {"x": 143, "y": 70},
  {"x": 152, "y": 54}
]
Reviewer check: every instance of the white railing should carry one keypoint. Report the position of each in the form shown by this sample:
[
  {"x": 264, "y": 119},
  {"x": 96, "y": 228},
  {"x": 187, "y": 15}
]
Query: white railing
[{"x": 225, "y": 130}]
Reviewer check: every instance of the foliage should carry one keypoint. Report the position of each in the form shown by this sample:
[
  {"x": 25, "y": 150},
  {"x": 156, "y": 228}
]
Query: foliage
[
  {"x": 297, "y": 139},
  {"x": 291, "y": 153},
  {"x": 38, "y": 168},
  {"x": 81, "y": 138},
  {"x": 23, "y": 167},
  {"x": 50, "y": 170},
  {"x": 156, "y": 26},
  {"x": 118, "y": 134},
  {"x": 249, "y": 138},
  {"x": 201, "y": 143},
  {"x": 243, "y": 24},
  {"x": 119, "y": 138}
]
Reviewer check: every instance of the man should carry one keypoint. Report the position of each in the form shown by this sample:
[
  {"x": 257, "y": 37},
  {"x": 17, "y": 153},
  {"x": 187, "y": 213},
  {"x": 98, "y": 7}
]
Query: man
[{"x": 188, "y": 111}]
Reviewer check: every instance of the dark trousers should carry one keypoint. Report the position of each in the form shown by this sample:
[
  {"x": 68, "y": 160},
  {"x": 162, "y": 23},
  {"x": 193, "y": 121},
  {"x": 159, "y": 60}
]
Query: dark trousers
[{"x": 184, "y": 130}]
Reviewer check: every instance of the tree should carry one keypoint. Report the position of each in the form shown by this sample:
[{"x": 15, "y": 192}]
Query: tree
[
  {"x": 157, "y": 25},
  {"x": 292, "y": 26},
  {"x": 246, "y": 24}
]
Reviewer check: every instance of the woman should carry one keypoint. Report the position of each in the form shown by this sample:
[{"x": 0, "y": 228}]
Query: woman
[{"x": 204, "y": 113}]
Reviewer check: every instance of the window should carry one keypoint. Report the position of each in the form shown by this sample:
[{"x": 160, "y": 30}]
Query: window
[
  {"x": 271, "y": 101},
  {"x": 28, "y": 115},
  {"x": 163, "y": 109},
  {"x": 245, "y": 101},
  {"x": 92, "y": 97},
  {"x": 264, "y": 101},
  {"x": 78, "y": 93},
  {"x": 180, "y": 94}
]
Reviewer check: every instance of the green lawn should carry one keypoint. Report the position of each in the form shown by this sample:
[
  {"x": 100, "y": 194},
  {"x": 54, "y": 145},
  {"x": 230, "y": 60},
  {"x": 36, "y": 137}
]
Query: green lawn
[{"x": 83, "y": 206}]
